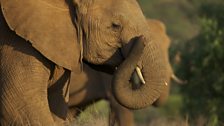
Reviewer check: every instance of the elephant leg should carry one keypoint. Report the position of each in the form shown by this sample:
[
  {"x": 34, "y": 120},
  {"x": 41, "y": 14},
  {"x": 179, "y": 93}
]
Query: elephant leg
[
  {"x": 24, "y": 81},
  {"x": 120, "y": 115},
  {"x": 58, "y": 94}
]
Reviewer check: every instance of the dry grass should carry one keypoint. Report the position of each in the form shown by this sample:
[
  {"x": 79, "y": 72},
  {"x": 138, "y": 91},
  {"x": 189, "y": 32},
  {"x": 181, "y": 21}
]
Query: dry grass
[
  {"x": 169, "y": 122},
  {"x": 102, "y": 121},
  {"x": 97, "y": 115},
  {"x": 91, "y": 122}
]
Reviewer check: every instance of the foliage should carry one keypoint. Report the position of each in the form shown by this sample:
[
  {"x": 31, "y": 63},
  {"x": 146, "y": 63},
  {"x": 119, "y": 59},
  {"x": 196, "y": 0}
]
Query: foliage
[{"x": 202, "y": 65}]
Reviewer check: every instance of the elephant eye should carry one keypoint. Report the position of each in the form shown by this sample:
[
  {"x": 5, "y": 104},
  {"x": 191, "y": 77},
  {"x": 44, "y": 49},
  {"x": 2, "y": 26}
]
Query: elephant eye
[{"x": 116, "y": 26}]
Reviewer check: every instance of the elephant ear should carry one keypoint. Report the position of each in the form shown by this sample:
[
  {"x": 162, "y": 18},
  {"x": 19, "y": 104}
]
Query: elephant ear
[
  {"x": 48, "y": 26},
  {"x": 159, "y": 29}
]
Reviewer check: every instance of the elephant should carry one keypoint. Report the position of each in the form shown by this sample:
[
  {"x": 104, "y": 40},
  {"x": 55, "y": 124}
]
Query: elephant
[
  {"x": 43, "y": 41},
  {"x": 164, "y": 43},
  {"x": 96, "y": 85}
]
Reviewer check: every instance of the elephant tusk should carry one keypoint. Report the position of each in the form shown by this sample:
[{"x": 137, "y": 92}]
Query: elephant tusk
[
  {"x": 176, "y": 79},
  {"x": 166, "y": 83},
  {"x": 139, "y": 73}
]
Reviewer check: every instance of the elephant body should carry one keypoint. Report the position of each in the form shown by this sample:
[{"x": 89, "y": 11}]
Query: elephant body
[
  {"x": 19, "y": 58},
  {"x": 43, "y": 41},
  {"x": 96, "y": 85}
]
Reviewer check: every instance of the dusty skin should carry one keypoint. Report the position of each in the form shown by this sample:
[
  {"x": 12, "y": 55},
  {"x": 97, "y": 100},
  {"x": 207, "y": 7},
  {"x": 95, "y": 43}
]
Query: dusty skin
[
  {"x": 96, "y": 85},
  {"x": 43, "y": 41}
]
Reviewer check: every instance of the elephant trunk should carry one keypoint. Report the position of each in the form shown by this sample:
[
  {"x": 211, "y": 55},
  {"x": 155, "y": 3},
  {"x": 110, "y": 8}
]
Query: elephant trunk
[{"x": 129, "y": 88}]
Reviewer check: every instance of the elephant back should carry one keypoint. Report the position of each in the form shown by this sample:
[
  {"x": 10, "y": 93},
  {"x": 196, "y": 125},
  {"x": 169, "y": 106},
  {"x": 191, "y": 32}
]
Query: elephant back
[{"x": 47, "y": 25}]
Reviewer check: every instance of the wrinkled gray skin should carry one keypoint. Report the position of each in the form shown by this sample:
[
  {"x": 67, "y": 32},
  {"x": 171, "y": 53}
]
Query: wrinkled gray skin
[
  {"x": 95, "y": 85},
  {"x": 42, "y": 41}
]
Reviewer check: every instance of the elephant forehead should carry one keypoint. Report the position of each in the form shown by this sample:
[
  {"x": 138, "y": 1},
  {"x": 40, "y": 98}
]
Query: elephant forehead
[{"x": 111, "y": 6}]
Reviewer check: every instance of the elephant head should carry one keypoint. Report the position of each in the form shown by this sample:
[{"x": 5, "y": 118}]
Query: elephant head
[
  {"x": 163, "y": 40},
  {"x": 159, "y": 30},
  {"x": 70, "y": 31},
  {"x": 141, "y": 79}
]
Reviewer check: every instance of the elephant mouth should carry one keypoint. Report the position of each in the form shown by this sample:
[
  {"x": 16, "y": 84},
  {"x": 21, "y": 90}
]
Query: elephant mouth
[
  {"x": 110, "y": 65},
  {"x": 102, "y": 68},
  {"x": 137, "y": 79}
]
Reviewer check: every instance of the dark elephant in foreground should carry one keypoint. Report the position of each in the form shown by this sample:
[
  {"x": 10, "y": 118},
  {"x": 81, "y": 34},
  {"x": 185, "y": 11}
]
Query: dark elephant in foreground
[
  {"x": 96, "y": 85},
  {"x": 43, "y": 41}
]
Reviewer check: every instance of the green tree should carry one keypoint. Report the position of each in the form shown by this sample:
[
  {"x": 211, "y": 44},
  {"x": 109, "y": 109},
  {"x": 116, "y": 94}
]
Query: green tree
[{"x": 202, "y": 65}]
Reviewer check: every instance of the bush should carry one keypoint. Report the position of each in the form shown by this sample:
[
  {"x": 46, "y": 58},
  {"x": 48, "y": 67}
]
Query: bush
[{"x": 202, "y": 65}]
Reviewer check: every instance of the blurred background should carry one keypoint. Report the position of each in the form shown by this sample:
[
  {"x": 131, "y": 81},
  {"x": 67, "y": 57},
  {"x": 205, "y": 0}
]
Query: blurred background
[{"x": 196, "y": 29}]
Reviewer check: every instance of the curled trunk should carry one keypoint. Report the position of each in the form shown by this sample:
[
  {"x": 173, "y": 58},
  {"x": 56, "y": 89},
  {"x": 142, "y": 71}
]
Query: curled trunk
[{"x": 136, "y": 94}]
